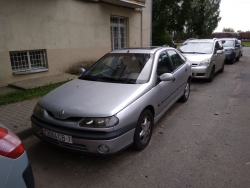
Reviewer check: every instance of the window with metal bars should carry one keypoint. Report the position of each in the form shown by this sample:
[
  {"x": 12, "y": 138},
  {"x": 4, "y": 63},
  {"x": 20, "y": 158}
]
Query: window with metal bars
[
  {"x": 118, "y": 32},
  {"x": 23, "y": 62}
]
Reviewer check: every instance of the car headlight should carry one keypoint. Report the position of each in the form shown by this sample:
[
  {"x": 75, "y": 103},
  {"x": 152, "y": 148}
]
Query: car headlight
[
  {"x": 38, "y": 111},
  {"x": 205, "y": 63},
  {"x": 99, "y": 122}
]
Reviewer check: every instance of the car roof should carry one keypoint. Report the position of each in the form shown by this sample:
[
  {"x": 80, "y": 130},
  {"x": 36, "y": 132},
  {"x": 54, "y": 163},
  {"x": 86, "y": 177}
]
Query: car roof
[
  {"x": 150, "y": 49},
  {"x": 201, "y": 40},
  {"x": 227, "y": 38}
]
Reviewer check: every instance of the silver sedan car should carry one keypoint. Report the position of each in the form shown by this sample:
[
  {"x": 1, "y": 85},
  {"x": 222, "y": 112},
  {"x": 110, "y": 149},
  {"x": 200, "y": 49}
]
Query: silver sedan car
[
  {"x": 15, "y": 169},
  {"x": 115, "y": 103}
]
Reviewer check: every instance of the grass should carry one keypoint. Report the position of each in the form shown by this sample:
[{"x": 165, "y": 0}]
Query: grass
[
  {"x": 19, "y": 96},
  {"x": 246, "y": 44}
]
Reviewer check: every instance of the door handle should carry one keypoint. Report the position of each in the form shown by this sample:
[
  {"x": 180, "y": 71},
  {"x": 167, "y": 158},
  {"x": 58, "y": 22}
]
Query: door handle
[{"x": 173, "y": 79}]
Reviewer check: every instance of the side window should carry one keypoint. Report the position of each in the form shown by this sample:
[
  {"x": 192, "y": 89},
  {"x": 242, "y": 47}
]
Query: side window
[
  {"x": 221, "y": 46},
  {"x": 218, "y": 46},
  {"x": 176, "y": 59},
  {"x": 164, "y": 64}
]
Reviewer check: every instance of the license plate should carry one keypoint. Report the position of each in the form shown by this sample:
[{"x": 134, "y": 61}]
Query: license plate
[{"x": 58, "y": 136}]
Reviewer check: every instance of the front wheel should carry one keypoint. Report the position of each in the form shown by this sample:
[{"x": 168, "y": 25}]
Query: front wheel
[
  {"x": 143, "y": 130},
  {"x": 238, "y": 58},
  {"x": 211, "y": 77},
  {"x": 185, "y": 96}
]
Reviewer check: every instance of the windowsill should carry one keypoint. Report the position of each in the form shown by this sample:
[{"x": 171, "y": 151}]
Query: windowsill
[{"x": 31, "y": 71}]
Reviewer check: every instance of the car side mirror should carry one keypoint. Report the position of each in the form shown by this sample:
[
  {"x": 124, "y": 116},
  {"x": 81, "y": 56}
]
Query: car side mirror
[
  {"x": 82, "y": 70},
  {"x": 219, "y": 51},
  {"x": 167, "y": 77}
]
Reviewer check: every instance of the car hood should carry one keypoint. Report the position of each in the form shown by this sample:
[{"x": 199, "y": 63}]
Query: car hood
[
  {"x": 197, "y": 58},
  {"x": 81, "y": 98}
]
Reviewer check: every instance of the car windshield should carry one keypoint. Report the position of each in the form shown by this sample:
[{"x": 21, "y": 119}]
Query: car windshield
[
  {"x": 197, "y": 47},
  {"x": 121, "y": 68},
  {"x": 228, "y": 43}
]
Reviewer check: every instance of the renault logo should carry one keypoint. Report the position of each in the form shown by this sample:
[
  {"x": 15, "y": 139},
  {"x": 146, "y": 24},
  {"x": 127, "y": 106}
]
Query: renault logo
[{"x": 61, "y": 113}]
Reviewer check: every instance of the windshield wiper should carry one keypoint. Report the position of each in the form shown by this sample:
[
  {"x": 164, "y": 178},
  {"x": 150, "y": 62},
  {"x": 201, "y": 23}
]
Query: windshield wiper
[
  {"x": 128, "y": 81},
  {"x": 86, "y": 77},
  {"x": 106, "y": 78},
  {"x": 116, "y": 79}
]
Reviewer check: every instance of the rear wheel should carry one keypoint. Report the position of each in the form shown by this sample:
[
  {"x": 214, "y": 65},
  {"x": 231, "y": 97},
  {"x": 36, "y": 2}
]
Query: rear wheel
[
  {"x": 143, "y": 130},
  {"x": 211, "y": 77},
  {"x": 185, "y": 96}
]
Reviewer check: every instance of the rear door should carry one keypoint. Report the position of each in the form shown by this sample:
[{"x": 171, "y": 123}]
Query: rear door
[
  {"x": 218, "y": 57},
  {"x": 180, "y": 73}
]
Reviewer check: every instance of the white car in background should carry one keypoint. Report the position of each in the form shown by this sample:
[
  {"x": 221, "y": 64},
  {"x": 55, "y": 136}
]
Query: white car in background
[
  {"x": 206, "y": 55},
  {"x": 15, "y": 169}
]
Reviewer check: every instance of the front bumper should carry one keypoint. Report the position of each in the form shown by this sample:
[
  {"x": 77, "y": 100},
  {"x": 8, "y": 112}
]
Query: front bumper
[
  {"x": 230, "y": 56},
  {"x": 201, "y": 72},
  {"x": 87, "y": 141}
]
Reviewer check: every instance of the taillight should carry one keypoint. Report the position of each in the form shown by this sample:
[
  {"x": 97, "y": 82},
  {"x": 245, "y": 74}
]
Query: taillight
[{"x": 10, "y": 145}]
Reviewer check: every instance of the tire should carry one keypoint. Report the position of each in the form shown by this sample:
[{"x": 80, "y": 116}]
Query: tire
[
  {"x": 231, "y": 61},
  {"x": 185, "y": 96},
  {"x": 238, "y": 58},
  {"x": 222, "y": 68},
  {"x": 211, "y": 77},
  {"x": 143, "y": 130}
]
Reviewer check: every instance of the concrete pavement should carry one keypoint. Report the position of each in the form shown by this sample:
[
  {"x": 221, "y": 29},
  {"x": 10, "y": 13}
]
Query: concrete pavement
[{"x": 16, "y": 116}]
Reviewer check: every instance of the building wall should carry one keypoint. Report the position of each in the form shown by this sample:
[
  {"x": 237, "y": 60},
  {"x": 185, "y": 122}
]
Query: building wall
[{"x": 73, "y": 32}]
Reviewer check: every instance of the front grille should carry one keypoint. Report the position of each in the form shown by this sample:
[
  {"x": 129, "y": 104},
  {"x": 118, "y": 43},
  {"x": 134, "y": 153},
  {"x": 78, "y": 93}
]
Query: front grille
[
  {"x": 194, "y": 65},
  {"x": 77, "y": 147},
  {"x": 75, "y": 119},
  {"x": 200, "y": 74}
]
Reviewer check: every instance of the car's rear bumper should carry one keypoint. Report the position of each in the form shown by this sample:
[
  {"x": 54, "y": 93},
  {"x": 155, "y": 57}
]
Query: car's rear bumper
[
  {"x": 20, "y": 169},
  {"x": 87, "y": 141},
  {"x": 201, "y": 72}
]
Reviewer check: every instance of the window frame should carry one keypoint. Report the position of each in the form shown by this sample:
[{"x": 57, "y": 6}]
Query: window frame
[
  {"x": 117, "y": 40},
  {"x": 28, "y": 61}
]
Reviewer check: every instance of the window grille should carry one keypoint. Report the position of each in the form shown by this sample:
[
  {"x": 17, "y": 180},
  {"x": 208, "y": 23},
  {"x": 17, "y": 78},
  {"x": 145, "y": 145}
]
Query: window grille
[
  {"x": 118, "y": 30},
  {"x": 28, "y": 61}
]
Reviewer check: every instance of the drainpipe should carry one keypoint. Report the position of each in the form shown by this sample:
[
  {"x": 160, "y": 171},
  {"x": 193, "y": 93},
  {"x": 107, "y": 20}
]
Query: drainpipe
[
  {"x": 141, "y": 27},
  {"x": 151, "y": 17}
]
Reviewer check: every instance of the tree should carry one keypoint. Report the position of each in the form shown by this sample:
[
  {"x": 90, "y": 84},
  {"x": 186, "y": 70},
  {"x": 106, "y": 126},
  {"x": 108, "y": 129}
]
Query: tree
[
  {"x": 186, "y": 18},
  {"x": 228, "y": 30},
  {"x": 204, "y": 17}
]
